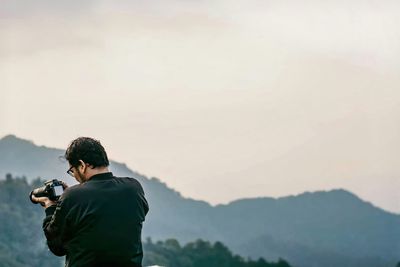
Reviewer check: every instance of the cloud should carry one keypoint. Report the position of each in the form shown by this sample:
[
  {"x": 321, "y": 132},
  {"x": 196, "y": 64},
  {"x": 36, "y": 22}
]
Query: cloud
[{"x": 214, "y": 91}]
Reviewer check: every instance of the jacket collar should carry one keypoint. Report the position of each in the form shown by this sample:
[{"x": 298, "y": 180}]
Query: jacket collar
[{"x": 101, "y": 176}]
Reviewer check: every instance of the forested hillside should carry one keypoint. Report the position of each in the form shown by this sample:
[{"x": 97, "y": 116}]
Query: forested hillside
[{"x": 22, "y": 242}]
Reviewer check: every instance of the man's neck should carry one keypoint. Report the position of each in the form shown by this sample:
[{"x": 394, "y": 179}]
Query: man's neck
[{"x": 98, "y": 170}]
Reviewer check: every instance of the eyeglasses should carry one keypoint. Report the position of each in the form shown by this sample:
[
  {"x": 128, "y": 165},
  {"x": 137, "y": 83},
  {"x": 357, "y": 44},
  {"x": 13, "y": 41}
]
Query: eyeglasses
[{"x": 70, "y": 172}]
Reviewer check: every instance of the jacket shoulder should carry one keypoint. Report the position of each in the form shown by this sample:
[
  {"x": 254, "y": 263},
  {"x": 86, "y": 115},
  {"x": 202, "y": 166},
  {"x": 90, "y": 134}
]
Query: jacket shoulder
[
  {"x": 132, "y": 181},
  {"x": 71, "y": 191}
]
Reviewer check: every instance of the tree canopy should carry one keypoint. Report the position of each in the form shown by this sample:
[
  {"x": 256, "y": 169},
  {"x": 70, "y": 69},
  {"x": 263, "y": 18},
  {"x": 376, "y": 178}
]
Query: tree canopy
[{"x": 22, "y": 242}]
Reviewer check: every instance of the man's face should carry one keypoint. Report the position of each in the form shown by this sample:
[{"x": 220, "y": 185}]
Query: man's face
[{"x": 77, "y": 174}]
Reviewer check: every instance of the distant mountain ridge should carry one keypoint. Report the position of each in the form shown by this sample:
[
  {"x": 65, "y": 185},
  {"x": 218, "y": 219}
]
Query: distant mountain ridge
[{"x": 333, "y": 228}]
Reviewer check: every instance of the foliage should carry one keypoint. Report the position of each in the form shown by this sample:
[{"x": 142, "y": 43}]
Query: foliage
[
  {"x": 200, "y": 253},
  {"x": 22, "y": 242}
]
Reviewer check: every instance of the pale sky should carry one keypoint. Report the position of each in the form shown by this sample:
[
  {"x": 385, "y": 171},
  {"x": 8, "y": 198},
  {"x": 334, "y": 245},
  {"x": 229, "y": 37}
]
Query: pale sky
[{"x": 220, "y": 100}]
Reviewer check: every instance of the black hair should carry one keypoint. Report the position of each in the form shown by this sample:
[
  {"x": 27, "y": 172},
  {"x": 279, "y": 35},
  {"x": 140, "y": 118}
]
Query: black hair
[{"x": 88, "y": 150}]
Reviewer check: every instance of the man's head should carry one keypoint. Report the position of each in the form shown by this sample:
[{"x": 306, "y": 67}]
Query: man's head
[{"x": 86, "y": 157}]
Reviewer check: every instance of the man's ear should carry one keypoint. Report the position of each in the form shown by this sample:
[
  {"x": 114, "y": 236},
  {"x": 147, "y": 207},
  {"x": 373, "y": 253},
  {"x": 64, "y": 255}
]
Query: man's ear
[{"x": 82, "y": 163}]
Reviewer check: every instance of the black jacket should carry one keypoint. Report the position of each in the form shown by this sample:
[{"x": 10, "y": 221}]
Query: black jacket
[{"x": 98, "y": 223}]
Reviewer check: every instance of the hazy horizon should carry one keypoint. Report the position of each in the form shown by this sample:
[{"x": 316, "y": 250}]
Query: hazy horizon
[{"x": 219, "y": 100}]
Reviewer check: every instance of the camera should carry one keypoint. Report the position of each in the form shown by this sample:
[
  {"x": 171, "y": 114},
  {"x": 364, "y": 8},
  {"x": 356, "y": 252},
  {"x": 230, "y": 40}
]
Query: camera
[{"x": 52, "y": 189}]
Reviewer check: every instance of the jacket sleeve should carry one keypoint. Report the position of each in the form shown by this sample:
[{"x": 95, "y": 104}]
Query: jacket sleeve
[
  {"x": 143, "y": 199},
  {"x": 55, "y": 227}
]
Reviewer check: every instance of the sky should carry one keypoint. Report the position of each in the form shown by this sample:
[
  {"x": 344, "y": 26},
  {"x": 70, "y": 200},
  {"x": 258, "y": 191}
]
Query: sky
[{"x": 220, "y": 100}]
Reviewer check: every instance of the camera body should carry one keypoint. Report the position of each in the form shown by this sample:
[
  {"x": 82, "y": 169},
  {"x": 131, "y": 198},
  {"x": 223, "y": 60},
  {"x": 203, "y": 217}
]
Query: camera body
[{"x": 52, "y": 189}]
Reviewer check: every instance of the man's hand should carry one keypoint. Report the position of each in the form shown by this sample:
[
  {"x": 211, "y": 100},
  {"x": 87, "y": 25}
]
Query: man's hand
[
  {"x": 45, "y": 201},
  {"x": 64, "y": 185}
]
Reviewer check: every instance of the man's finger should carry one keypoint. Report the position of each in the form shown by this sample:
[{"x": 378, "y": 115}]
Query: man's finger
[
  {"x": 64, "y": 185},
  {"x": 40, "y": 199}
]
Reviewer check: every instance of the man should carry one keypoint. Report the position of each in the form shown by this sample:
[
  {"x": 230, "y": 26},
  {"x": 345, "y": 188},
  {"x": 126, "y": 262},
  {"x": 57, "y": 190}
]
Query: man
[{"x": 98, "y": 222}]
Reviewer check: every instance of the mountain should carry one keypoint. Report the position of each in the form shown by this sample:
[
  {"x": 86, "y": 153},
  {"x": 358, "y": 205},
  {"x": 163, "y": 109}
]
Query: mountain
[{"x": 333, "y": 228}]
